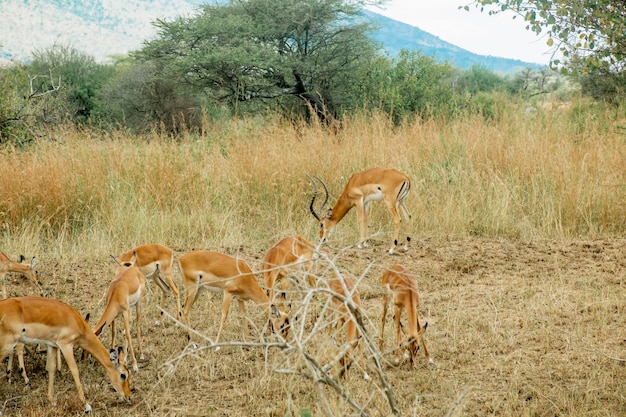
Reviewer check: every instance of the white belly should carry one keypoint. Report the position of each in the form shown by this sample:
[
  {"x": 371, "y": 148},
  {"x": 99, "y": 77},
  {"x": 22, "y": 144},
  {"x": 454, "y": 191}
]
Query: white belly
[{"x": 34, "y": 341}]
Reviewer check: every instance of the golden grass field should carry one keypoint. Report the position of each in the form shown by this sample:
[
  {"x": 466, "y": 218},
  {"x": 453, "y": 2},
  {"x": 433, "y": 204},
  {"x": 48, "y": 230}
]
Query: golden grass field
[{"x": 519, "y": 249}]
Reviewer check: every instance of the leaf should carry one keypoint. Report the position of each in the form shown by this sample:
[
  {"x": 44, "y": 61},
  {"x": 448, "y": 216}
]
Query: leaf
[{"x": 550, "y": 42}]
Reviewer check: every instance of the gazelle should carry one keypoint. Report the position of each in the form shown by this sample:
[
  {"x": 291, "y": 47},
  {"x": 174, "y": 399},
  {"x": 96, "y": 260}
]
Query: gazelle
[
  {"x": 125, "y": 292},
  {"x": 21, "y": 267},
  {"x": 216, "y": 271},
  {"x": 59, "y": 326},
  {"x": 363, "y": 187},
  {"x": 288, "y": 254},
  {"x": 400, "y": 284},
  {"x": 338, "y": 297},
  {"x": 149, "y": 257}
]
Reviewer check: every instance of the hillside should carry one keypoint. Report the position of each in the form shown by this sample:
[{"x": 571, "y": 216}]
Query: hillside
[
  {"x": 395, "y": 36},
  {"x": 104, "y": 29}
]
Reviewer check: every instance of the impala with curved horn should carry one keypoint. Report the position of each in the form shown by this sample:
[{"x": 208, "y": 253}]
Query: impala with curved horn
[{"x": 363, "y": 187}]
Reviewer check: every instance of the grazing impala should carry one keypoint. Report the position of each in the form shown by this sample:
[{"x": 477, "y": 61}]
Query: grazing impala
[
  {"x": 363, "y": 187},
  {"x": 338, "y": 287},
  {"x": 7, "y": 265},
  {"x": 125, "y": 292},
  {"x": 59, "y": 326},
  {"x": 216, "y": 271},
  {"x": 399, "y": 283},
  {"x": 288, "y": 254},
  {"x": 149, "y": 257}
]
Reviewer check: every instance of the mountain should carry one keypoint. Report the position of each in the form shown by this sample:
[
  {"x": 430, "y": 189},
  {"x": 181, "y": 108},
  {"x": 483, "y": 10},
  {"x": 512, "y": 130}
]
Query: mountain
[
  {"x": 105, "y": 28},
  {"x": 395, "y": 36}
]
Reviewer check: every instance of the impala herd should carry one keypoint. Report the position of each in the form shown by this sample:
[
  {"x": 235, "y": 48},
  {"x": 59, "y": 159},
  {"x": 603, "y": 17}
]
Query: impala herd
[{"x": 60, "y": 328}]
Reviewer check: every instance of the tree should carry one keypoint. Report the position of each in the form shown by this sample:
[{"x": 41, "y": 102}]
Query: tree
[
  {"x": 479, "y": 79},
  {"x": 590, "y": 34},
  {"x": 410, "y": 84},
  {"x": 77, "y": 77},
  {"x": 25, "y": 102},
  {"x": 135, "y": 97},
  {"x": 261, "y": 50}
]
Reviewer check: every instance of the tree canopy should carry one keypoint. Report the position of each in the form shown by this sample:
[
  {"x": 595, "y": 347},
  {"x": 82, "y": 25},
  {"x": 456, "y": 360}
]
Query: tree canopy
[
  {"x": 266, "y": 49},
  {"x": 590, "y": 34}
]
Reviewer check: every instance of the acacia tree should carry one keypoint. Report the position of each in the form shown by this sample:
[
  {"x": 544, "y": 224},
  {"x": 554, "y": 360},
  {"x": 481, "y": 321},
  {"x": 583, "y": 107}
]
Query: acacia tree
[
  {"x": 260, "y": 50},
  {"x": 590, "y": 34}
]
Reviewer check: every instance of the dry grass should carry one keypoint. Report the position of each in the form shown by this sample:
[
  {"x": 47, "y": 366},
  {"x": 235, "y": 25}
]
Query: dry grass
[
  {"x": 519, "y": 252},
  {"x": 516, "y": 328}
]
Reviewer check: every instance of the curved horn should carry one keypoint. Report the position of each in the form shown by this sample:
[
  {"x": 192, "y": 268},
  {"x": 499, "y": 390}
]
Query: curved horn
[
  {"x": 311, "y": 208},
  {"x": 325, "y": 191}
]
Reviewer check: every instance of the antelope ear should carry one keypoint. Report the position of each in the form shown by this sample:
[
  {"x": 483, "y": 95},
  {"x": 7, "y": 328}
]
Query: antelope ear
[
  {"x": 114, "y": 356},
  {"x": 33, "y": 261},
  {"x": 329, "y": 213},
  {"x": 275, "y": 311},
  {"x": 116, "y": 261}
]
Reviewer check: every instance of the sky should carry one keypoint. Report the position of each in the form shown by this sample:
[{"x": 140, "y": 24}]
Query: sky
[{"x": 472, "y": 30}]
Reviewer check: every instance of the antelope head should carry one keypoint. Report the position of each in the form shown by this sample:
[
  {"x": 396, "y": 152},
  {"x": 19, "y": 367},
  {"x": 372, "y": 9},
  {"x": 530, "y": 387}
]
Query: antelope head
[{"x": 325, "y": 231}]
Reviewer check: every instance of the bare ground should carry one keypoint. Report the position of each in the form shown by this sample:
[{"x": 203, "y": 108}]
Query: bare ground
[{"x": 516, "y": 328}]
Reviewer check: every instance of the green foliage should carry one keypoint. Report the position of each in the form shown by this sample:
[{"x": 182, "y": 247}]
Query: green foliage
[
  {"x": 14, "y": 105},
  {"x": 590, "y": 35},
  {"x": 76, "y": 78},
  {"x": 479, "y": 79},
  {"x": 593, "y": 30},
  {"x": 256, "y": 51},
  {"x": 529, "y": 83},
  {"x": 137, "y": 98},
  {"x": 411, "y": 84},
  {"x": 602, "y": 85}
]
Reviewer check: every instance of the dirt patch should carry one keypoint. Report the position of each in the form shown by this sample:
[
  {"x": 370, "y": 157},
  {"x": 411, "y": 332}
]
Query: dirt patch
[{"x": 515, "y": 328}]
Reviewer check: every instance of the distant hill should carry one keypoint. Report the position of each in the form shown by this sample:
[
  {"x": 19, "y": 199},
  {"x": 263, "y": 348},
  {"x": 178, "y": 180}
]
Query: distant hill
[
  {"x": 103, "y": 29},
  {"x": 395, "y": 36}
]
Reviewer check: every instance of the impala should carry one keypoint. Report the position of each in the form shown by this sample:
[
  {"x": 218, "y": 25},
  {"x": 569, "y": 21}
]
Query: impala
[
  {"x": 149, "y": 257},
  {"x": 399, "y": 283},
  {"x": 338, "y": 300},
  {"x": 363, "y": 187},
  {"x": 60, "y": 327},
  {"x": 125, "y": 292},
  {"x": 216, "y": 271},
  {"x": 21, "y": 267},
  {"x": 7, "y": 265},
  {"x": 288, "y": 254}
]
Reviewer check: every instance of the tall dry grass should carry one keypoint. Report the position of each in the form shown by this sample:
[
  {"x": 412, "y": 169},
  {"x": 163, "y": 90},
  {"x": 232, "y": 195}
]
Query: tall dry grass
[
  {"x": 558, "y": 173},
  {"x": 520, "y": 278}
]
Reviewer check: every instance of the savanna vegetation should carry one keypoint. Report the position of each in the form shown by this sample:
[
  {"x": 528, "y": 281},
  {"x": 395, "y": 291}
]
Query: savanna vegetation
[{"x": 518, "y": 195}]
